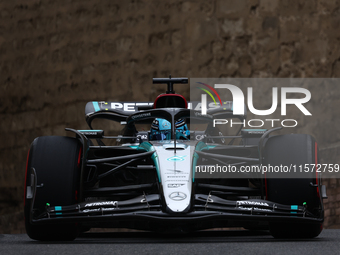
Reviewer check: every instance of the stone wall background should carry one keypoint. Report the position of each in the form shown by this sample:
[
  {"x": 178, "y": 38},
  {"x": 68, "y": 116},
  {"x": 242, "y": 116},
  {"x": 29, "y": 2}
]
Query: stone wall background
[{"x": 57, "y": 55}]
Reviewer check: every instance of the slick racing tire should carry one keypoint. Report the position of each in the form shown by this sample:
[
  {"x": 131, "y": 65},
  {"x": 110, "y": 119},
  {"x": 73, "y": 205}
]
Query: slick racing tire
[
  {"x": 295, "y": 150},
  {"x": 54, "y": 162}
]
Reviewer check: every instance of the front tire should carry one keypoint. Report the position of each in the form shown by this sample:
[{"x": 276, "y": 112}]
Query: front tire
[
  {"x": 56, "y": 161},
  {"x": 286, "y": 150}
]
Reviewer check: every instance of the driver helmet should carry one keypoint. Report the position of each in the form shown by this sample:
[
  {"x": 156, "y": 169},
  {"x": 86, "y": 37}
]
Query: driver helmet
[{"x": 161, "y": 130}]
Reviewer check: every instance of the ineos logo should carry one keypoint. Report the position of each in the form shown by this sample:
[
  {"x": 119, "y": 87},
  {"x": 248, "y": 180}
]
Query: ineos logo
[{"x": 176, "y": 158}]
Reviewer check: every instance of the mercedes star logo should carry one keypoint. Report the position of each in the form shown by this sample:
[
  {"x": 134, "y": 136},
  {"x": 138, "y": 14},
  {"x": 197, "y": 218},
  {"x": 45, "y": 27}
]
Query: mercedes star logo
[{"x": 177, "y": 196}]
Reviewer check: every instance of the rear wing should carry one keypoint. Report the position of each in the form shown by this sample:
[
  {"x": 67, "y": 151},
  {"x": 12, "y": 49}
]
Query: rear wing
[
  {"x": 124, "y": 108},
  {"x": 128, "y": 108},
  {"x": 120, "y": 111}
]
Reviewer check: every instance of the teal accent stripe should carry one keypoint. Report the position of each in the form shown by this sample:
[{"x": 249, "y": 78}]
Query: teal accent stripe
[
  {"x": 202, "y": 146},
  {"x": 155, "y": 160},
  {"x": 146, "y": 146},
  {"x": 199, "y": 147},
  {"x": 58, "y": 208},
  {"x": 96, "y": 106},
  {"x": 293, "y": 207},
  {"x": 194, "y": 163}
]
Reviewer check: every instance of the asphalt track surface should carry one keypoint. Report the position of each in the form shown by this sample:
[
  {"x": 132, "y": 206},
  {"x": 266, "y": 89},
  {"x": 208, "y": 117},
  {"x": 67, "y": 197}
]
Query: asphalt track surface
[{"x": 207, "y": 242}]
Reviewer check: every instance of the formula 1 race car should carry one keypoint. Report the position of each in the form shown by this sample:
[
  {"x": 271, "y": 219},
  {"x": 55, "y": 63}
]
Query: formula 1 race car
[{"x": 148, "y": 179}]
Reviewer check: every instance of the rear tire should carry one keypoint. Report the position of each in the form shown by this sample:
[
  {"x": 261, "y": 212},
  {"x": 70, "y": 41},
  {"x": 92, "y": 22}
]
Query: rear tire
[
  {"x": 286, "y": 150},
  {"x": 56, "y": 162}
]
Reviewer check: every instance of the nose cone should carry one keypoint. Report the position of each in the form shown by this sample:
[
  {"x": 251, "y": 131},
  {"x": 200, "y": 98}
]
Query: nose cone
[{"x": 176, "y": 176}]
